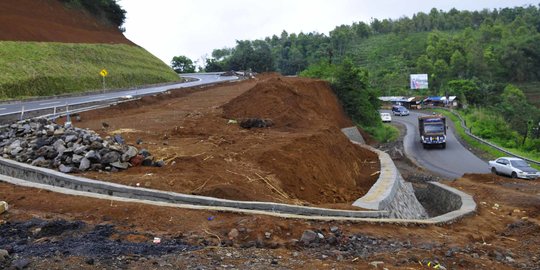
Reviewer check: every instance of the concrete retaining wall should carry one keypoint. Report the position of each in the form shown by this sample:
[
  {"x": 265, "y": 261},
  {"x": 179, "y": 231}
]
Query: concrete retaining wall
[
  {"x": 390, "y": 192},
  {"x": 393, "y": 194}
]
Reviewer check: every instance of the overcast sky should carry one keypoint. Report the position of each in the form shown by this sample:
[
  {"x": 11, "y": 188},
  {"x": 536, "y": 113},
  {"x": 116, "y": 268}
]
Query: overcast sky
[{"x": 194, "y": 28}]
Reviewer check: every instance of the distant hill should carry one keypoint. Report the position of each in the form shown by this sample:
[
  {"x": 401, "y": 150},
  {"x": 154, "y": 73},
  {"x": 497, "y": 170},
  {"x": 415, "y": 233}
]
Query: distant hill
[{"x": 48, "y": 48}]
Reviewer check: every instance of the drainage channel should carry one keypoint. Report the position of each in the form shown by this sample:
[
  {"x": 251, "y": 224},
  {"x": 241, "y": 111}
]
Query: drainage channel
[
  {"x": 25, "y": 175},
  {"x": 20, "y": 173}
]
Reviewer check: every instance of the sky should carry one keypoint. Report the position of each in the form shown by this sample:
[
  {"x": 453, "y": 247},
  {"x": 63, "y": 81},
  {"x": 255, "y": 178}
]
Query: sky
[{"x": 194, "y": 28}]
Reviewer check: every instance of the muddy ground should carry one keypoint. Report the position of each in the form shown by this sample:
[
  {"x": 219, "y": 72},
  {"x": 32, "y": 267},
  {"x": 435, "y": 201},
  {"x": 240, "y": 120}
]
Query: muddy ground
[{"x": 44, "y": 230}]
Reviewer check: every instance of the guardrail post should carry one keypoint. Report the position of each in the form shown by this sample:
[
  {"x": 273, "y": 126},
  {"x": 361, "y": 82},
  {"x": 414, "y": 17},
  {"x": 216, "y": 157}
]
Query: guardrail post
[{"x": 22, "y": 113}]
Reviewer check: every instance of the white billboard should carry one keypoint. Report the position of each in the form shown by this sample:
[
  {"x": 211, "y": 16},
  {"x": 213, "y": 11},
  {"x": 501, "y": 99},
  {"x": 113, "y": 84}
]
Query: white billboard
[{"x": 419, "y": 81}]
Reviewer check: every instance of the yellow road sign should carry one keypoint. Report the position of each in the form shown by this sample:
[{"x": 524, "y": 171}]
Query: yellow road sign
[{"x": 103, "y": 73}]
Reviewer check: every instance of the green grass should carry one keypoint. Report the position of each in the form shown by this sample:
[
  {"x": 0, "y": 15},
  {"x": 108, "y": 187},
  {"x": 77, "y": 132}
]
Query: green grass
[
  {"x": 492, "y": 152},
  {"x": 383, "y": 133},
  {"x": 30, "y": 69}
]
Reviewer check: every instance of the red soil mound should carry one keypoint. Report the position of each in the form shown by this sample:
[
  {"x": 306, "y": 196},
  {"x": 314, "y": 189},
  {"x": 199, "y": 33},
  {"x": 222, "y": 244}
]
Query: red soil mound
[
  {"x": 290, "y": 103},
  {"x": 323, "y": 168},
  {"x": 304, "y": 159},
  {"x": 51, "y": 21},
  {"x": 319, "y": 167}
]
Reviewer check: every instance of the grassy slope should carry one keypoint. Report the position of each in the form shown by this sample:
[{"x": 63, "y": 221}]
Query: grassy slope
[{"x": 43, "y": 69}]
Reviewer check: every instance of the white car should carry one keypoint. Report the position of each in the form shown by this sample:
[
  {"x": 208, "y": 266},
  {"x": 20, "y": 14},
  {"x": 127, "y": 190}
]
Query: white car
[
  {"x": 513, "y": 167},
  {"x": 385, "y": 117}
]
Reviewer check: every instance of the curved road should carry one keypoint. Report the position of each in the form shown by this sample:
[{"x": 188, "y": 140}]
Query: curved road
[
  {"x": 451, "y": 162},
  {"x": 200, "y": 79}
]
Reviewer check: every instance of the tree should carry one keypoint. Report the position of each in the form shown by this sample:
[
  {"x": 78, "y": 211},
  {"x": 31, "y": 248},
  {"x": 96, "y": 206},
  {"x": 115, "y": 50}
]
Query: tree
[
  {"x": 458, "y": 64},
  {"x": 358, "y": 100},
  {"x": 212, "y": 65},
  {"x": 182, "y": 64},
  {"x": 466, "y": 90},
  {"x": 517, "y": 111},
  {"x": 424, "y": 65}
]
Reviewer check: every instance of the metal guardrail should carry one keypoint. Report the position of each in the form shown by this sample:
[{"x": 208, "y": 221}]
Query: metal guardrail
[{"x": 468, "y": 132}]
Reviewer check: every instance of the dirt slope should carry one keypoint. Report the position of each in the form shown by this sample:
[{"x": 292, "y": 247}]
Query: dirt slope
[
  {"x": 298, "y": 160},
  {"x": 51, "y": 21}
]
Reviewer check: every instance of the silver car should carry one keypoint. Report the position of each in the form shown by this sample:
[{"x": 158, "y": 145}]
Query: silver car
[
  {"x": 400, "y": 110},
  {"x": 514, "y": 167}
]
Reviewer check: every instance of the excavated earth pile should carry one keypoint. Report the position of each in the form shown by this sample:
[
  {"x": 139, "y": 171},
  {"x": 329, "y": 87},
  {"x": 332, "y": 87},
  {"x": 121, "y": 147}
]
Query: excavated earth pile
[{"x": 303, "y": 158}]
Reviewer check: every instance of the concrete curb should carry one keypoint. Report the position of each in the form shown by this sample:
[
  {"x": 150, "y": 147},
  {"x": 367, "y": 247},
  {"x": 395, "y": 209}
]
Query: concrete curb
[
  {"x": 384, "y": 190},
  {"x": 56, "y": 179},
  {"x": 445, "y": 219},
  {"x": 460, "y": 204}
]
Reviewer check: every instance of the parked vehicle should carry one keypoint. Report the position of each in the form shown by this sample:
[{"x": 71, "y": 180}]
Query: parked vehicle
[
  {"x": 432, "y": 130},
  {"x": 386, "y": 117},
  {"x": 513, "y": 167},
  {"x": 400, "y": 110}
]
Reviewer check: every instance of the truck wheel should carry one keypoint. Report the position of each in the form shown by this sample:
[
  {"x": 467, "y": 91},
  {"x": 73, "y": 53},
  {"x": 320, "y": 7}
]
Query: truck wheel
[
  {"x": 443, "y": 146},
  {"x": 424, "y": 145},
  {"x": 514, "y": 175},
  {"x": 493, "y": 170}
]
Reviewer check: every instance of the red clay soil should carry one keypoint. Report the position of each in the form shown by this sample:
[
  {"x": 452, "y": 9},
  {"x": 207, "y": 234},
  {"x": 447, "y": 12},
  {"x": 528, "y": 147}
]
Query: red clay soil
[
  {"x": 507, "y": 224},
  {"x": 303, "y": 159},
  {"x": 51, "y": 21}
]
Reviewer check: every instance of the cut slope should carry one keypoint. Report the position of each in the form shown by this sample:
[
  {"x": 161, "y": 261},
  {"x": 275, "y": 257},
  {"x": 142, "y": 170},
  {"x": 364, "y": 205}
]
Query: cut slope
[
  {"x": 50, "y": 20},
  {"x": 48, "y": 49}
]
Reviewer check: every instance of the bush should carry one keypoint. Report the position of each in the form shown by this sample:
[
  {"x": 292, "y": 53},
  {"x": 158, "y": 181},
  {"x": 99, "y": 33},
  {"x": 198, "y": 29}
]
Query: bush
[{"x": 383, "y": 133}]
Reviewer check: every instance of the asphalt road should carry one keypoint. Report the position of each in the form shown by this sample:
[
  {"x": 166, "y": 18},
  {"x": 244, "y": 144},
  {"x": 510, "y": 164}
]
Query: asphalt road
[
  {"x": 450, "y": 163},
  {"x": 200, "y": 79}
]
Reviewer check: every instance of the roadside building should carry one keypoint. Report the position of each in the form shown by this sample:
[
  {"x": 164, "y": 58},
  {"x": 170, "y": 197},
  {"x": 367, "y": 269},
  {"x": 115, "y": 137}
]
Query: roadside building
[
  {"x": 407, "y": 102},
  {"x": 441, "y": 101}
]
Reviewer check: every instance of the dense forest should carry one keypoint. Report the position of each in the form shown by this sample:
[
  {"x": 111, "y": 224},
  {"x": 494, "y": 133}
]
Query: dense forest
[{"x": 487, "y": 58}]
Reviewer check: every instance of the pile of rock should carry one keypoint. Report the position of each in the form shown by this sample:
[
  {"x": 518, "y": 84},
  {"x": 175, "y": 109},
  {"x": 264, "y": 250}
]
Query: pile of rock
[{"x": 42, "y": 143}]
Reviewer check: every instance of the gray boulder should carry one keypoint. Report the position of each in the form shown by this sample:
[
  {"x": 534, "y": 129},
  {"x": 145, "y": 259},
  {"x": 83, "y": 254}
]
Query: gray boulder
[
  {"x": 120, "y": 165},
  {"x": 65, "y": 169},
  {"x": 110, "y": 157},
  {"x": 76, "y": 158},
  {"x": 84, "y": 164}
]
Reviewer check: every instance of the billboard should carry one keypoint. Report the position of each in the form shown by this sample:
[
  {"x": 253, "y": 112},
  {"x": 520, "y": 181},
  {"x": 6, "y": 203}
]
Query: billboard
[{"x": 419, "y": 81}]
